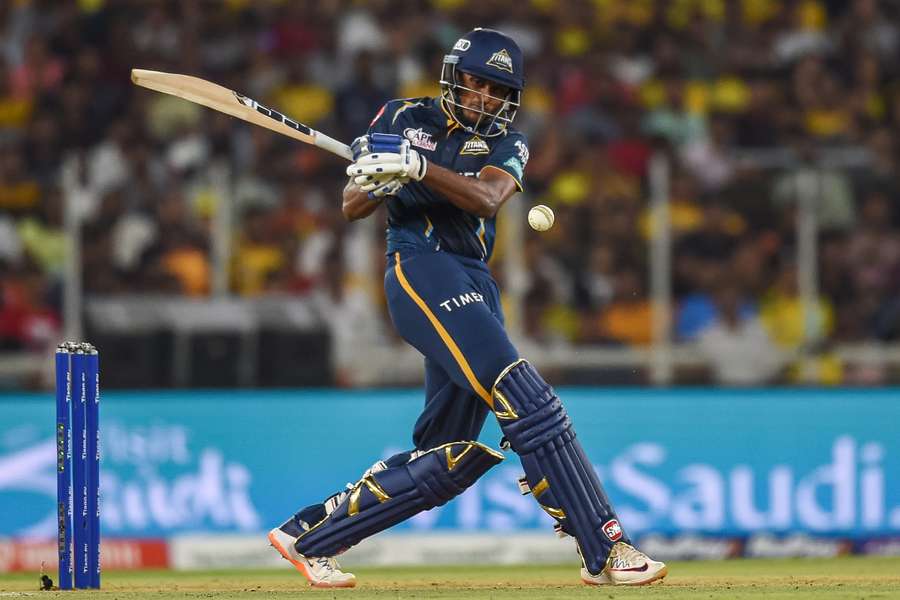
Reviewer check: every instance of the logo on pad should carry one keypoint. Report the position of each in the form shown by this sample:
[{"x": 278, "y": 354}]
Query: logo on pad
[{"x": 612, "y": 530}]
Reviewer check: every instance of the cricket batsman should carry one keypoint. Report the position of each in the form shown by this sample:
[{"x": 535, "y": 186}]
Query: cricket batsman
[{"x": 443, "y": 167}]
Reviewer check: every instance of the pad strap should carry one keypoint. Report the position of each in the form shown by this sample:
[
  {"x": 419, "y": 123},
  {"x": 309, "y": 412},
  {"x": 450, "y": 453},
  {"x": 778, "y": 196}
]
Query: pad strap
[
  {"x": 382, "y": 499},
  {"x": 557, "y": 471}
]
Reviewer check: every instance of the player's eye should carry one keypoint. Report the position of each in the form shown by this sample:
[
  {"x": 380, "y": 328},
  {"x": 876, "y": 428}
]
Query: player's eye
[{"x": 499, "y": 91}]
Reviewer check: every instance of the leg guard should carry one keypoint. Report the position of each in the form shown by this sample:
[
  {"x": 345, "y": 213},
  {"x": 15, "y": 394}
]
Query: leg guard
[
  {"x": 305, "y": 518},
  {"x": 558, "y": 473},
  {"x": 384, "y": 498}
]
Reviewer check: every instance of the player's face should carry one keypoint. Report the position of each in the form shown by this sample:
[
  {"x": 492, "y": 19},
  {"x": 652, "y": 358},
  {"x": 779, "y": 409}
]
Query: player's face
[{"x": 485, "y": 95}]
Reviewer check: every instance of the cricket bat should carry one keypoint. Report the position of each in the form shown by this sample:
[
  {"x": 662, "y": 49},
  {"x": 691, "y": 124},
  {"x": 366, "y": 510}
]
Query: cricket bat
[{"x": 222, "y": 99}]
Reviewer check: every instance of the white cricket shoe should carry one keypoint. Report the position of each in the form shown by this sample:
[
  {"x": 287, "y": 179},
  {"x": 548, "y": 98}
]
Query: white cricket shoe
[
  {"x": 321, "y": 572},
  {"x": 626, "y": 566}
]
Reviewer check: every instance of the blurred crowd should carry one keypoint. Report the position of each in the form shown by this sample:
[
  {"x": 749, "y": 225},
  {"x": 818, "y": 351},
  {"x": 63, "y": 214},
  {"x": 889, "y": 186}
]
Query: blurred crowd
[{"x": 766, "y": 110}]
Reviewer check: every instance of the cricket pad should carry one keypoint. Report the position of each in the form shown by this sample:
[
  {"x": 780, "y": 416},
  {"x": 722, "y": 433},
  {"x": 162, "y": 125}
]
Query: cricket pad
[
  {"x": 558, "y": 473},
  {"x": 382, "y": 499}
]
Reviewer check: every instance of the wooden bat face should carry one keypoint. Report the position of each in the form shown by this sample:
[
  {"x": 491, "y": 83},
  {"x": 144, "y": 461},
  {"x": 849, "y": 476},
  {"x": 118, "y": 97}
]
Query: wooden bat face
[{"x": 216, "y": 97}]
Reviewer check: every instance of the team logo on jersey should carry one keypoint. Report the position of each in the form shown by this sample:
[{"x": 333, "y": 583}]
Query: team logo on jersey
[
  {"x": 501, "y": 60},
  {"x": 462, "y": 45},
  {"x": 613, "y": 530},
  {"x": 419, "y": 138},
  {"x": 475, "y": 145}
]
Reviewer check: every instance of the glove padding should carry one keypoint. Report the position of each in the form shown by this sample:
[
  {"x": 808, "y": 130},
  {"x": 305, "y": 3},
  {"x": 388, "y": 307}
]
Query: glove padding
[
  {"x": 375, "y": 142},
  {"x": 388, "y": 188},
  {"x": 405, "y": 163},
  {"x": 378, "y": 186},
  {"x": 367, "y": 183}
]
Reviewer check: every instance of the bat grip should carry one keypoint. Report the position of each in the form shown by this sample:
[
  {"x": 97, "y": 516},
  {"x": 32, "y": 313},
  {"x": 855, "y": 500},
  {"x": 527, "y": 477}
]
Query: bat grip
[{"x": 332, "y": 145}]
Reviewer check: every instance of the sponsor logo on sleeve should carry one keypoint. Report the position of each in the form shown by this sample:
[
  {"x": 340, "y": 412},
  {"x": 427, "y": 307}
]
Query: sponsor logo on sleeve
[
  {"x": 516, "y": 165},
  {"x": 501, "y": 60},
  {"x": 419, "y": 138},
  {"x": 475, "y": 145},
  {"x": 612, "y": 530}
]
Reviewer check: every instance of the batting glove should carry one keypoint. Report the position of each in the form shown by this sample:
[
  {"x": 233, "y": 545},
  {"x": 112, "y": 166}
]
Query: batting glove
[
  {"x": 367, "y": 183},
  {"x": 405, "y": 163},
  {"x": 379, "y": 187},
  {"x": 375, "y": 142},
  {"x": 415, "y": 165}
]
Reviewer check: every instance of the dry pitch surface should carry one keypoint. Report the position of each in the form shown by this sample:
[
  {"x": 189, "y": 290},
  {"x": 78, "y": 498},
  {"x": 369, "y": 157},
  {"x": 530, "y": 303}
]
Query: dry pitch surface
[{"x": 856, "y": 578}]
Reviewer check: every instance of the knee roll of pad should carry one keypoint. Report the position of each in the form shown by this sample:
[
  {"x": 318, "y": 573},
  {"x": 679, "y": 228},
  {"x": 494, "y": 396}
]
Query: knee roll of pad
[
  {"x": 557, "y": 472},
  {"x": 531, "y": 431},
  {"x": 387, "y": 497}
]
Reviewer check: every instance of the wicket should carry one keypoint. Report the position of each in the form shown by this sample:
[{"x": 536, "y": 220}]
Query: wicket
[{"x": 78, "y": 465}]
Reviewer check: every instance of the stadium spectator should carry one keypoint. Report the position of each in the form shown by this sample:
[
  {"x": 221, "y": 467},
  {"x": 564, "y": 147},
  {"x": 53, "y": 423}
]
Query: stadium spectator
[
  {"x": 736, "y": 345},
  {"x": 759, "y": 107}
]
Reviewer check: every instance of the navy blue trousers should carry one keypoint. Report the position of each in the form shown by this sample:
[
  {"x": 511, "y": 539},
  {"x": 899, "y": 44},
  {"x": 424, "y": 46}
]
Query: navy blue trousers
[{"x": 448, "y": 307}]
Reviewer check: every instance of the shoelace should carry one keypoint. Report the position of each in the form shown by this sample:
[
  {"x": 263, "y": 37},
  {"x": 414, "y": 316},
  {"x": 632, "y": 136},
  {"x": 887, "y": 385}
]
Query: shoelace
[
  {"x": 327, "y": 563},
  {"x": 628, "y": 555}
]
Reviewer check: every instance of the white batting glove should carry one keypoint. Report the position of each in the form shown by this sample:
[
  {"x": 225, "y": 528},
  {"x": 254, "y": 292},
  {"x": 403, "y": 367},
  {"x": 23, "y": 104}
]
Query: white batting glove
[
  {"x": 379, "y": 188},
  {"x": 406, "y": 163},
  {"x": 367, "y": 183},
  {"x": 415, "y": 165},
  {"x": 375, "y": 142},
  {"x": 360, "y": 147}
]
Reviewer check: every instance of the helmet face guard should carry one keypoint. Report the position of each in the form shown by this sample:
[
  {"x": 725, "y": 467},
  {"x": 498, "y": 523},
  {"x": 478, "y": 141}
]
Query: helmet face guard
[{"x": 488, "y": 124}]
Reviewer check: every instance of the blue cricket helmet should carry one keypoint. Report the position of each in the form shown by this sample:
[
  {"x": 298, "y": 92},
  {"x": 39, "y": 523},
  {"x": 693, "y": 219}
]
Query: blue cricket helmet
[{"x": 491, "y": 55}]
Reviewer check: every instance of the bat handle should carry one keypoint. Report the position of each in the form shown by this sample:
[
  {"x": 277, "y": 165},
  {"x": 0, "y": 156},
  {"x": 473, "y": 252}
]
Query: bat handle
[{"x": 332, "y": 145}]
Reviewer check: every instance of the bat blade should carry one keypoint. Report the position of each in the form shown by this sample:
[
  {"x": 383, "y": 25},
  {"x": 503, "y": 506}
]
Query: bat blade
[{"x": 217, "y": 97}]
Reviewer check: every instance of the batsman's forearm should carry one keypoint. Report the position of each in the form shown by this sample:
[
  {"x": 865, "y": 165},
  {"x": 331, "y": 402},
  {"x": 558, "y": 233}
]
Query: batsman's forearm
[
  {"x": 357, "y": 204},
  {"x": 467, "y": 193}
]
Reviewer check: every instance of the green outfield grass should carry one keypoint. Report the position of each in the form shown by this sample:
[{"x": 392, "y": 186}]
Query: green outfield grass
[{"x": 826, "y": 579}]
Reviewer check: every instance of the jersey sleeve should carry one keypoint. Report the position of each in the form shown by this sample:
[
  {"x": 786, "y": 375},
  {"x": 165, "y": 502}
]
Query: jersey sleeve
[
  {"x": 382, "y": 122},
  {"x": 510, "y": 156}
]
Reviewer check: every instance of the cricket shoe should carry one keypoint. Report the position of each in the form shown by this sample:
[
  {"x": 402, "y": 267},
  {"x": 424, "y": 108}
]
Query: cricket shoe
[
  {"x": 626, "y": 566},
  {"x": 320, "y": 571}
]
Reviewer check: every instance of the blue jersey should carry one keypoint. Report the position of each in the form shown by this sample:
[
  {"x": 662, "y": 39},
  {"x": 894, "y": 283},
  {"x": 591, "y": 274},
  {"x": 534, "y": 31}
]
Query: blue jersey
[{"x": 420, "y": 219}]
